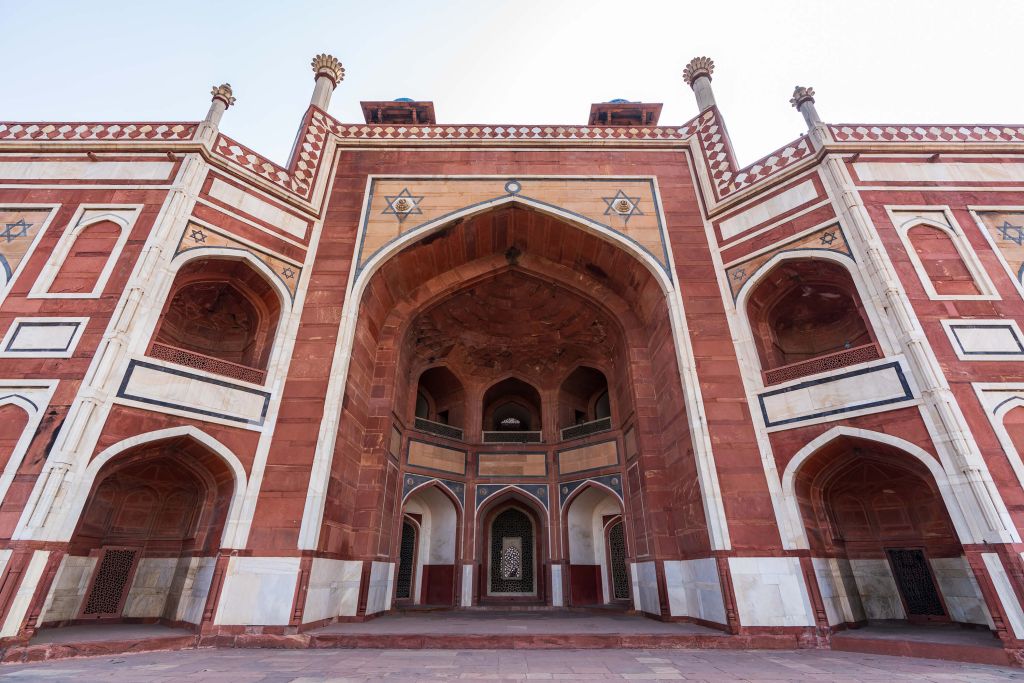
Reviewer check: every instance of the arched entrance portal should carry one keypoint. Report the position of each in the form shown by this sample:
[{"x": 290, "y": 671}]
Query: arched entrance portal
[
  {"x": 512, "y": 349},
  {"x": 880, "y": 534},
  {"x": 147, "y": 539},
  {"x": 597, "y": 549}
]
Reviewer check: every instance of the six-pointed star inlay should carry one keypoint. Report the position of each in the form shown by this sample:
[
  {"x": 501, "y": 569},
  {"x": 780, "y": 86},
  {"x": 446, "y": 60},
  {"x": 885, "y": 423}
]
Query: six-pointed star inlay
[
  {"x": 1011, "y": 232},
  {"x": 622, "y": 205},
  {"x": 12, "y": 231},
  {"x": 403, "y": 204}
]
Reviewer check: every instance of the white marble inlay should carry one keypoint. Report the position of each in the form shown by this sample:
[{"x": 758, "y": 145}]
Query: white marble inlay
[
  {"x": 1007, "y": 596},
  {"x": 770, "y": 591},
  {"x": 694, "y": 589},
  {"x": 86, "y": 170},
  {"x": 333, "y": 589},
  {"x": 68, "y": 589},
  {"x": 838, "y": 590},
  {"x": 42, "y": 337},
  {"x": 258, "y": 591},
  {"x": 766, "y": 210},
  {"x": 947, "y": 171},
  {"x": 877, "y": 588},
  {"x": 976, "y": 339},
  {"x": 254, "y": 206},
  {"x": 467, "y": 585},
  {"x": 646, "y": 597},
  {"x": 378, "y": 596},
  {"x": 150, "y": 383},
  {"x": 960, "y": 591}
]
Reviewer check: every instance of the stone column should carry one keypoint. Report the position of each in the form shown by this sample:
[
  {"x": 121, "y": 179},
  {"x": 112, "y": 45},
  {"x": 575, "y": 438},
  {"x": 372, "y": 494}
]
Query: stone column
[
  {"x": 803, "y": 100},
  {"x": 222, "y": 99},
  {"x": 697, "y": 75},
  {"x": 328, "y": 73}
]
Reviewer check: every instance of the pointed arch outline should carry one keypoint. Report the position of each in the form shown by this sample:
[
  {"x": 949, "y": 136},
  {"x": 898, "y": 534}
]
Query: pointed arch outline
[
  {"x": 587, "y": 484},
  {"x": 946, "y": 490},
  {"x": 234, "y": 254},
  {"x": 78, "y": 496},
  {"x": 707, "y": 474},
  {"x": 958, "y": 238}
]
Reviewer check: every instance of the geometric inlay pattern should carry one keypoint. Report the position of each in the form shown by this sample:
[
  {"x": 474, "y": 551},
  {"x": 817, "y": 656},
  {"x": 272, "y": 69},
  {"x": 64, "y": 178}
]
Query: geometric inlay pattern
[
  {"x": 111, "y": 580},
  {"x": 1006, "y": 228}
]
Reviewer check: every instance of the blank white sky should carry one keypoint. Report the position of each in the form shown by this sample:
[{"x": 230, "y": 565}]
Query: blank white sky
[{"x": 517, "y": 62}]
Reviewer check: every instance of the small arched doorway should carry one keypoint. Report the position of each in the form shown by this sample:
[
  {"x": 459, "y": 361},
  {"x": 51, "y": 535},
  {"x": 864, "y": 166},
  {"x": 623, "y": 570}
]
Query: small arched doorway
[
  {"x": 428, "y": 549},
  {"x": 512, "y": 540},
  {"x": 597, "y": 549}
]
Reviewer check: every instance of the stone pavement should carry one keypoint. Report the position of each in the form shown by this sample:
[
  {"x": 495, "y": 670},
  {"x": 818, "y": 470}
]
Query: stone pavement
[{"x": 336, "y": 666}]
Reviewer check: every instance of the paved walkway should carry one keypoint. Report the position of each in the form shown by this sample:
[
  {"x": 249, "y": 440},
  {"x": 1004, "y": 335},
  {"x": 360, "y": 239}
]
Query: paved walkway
[{"x": 336, "y": 666}]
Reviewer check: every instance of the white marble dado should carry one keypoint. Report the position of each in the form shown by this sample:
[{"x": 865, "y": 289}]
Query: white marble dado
[
  {"x": 196, "y": 575},
  {"x": 378, "y": 596},
  {"x": 976, "y": 339},
  {"x": 256, "y": 207},
  {"x": 467, "y": 585},
  {"x": 766, "y": 210},
  {"x": 42, "y": 337},
  {"x": 557, "y": 599},
  {"x": 156, "y": 385},
  {"x": 877, "y": 386},
  {"x": 770, "y": 591},
  {"x": 646, "y": 597},
  {"x": 1007, "y": 596},
  {"x": 86, "y": 170},
  {"x": 694, "y": 589},
  {"x": 838, "y": 590},
  {"x": 68, "y": 589},
  {"x": 153, "y": 581},
  {"x": 23, "y": 596},
  {"x": 947, "y": 171},
  {"x": 258, "y": 591},
  {"x": 960, "y": 591},
  {"x": 877, "y": 589},
  {"x": 333, "y": 589}
]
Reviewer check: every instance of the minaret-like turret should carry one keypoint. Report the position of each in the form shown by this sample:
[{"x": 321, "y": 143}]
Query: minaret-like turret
[
  {"x": 222, "y": 98},
  {"x": 328, "y": 73},
  {"x": 697, "y": 75},
  {"x": 803, "y": 101}
]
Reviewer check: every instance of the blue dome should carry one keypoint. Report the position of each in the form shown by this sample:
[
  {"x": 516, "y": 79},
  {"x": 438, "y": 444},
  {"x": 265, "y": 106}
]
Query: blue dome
[
  {"x": 404, "y": 99},
  {"x": 618, "y": 100}
]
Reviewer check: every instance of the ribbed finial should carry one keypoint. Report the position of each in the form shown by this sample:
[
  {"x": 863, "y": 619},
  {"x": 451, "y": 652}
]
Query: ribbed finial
[
  {"x": 329, "y": 66},
  {"x": 698, "y": 66},
  {"x": 801, "y": 95},
  {"x": 223, "y": 93}
]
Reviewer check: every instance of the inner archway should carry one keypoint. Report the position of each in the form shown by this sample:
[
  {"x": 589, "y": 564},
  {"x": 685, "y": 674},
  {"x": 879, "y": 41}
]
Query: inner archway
[
  {"x": 147, "y": 539},
  {"x": 877, "y": 525},
  {"x": 597, "y": 549},
  {"x": 429, "y": 548}
]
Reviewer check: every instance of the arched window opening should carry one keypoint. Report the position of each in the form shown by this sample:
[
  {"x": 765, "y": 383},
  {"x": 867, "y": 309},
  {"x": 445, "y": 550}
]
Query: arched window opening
[
  {"x": 584, "y": 405},
  {"x": 440, "y": 403},
  {"x": 807, "y": 317},
  {"x": 221, "y": 317},
  {"x": 942, "y": 262},
  {"x": 512, "y": 410},
  {"x": 87, "y": 259}
]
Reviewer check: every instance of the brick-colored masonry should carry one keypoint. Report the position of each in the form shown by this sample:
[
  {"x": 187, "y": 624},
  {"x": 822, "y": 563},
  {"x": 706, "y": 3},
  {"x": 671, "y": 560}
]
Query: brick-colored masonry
[{"x": 429, "y": 364}]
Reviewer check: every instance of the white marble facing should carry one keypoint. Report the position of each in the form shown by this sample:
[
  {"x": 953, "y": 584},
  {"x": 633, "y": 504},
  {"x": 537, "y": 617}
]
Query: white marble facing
[
  {"x": 333, "y": 589},
  {"x": 156, "y": 384},
  {"x": 877, "y": 589},
  {"x": 780, "y": 203},
  {"x": 990, "y": 339},
  {"x": 68, "y": 589},
  {"x": 195, "y": 588},
  {"x": 557, "y": 599},
  {"x": 694, "y": 589},
  {"x": 378, "y": 597},
  {"x": 258, "y": 591},
  {"x": 1007, "y": 596},
  {"x": 646, "y": 597},
  {"x": 23, "y": 596},
  {"x": 86, "y": 170},
  {"x": 882, "y": 384},
  {"x": 770, "y": 591},
  {"x": 42, "y": 337},
  {"x": 838, "y": 590},
  {"x": 151, "y": 587},
  {"x": 467, "y": 585},
  {"x": 254, "y": 206},
  {"x": 947, "y": 171},
  {"x": 960, "y": 591}
]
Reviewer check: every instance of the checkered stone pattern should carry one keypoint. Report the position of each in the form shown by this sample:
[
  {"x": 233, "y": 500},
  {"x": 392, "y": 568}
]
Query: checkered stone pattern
[
  {"x": 855, "y": 133},
  {"x": 716, "y": 153},
  {"x": 97, "y": 131},
  {"x": 769, "y": 165},
  {"x": 373, "y": 132},
  {"x": 241, "y": 155}
]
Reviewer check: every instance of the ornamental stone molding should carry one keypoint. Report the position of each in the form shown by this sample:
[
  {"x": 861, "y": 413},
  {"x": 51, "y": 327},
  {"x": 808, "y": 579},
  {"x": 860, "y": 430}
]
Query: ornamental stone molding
[
  {"x": 801, "y": 95},
  {"x": 223, "y": 93},
  {"x": 698, "y": 66},
  {"x": 327, "y": 65}
]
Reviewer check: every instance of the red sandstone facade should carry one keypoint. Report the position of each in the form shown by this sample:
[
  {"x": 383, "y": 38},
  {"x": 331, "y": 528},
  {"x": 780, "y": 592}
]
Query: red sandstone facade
[{"x": 470, "y": 365}]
